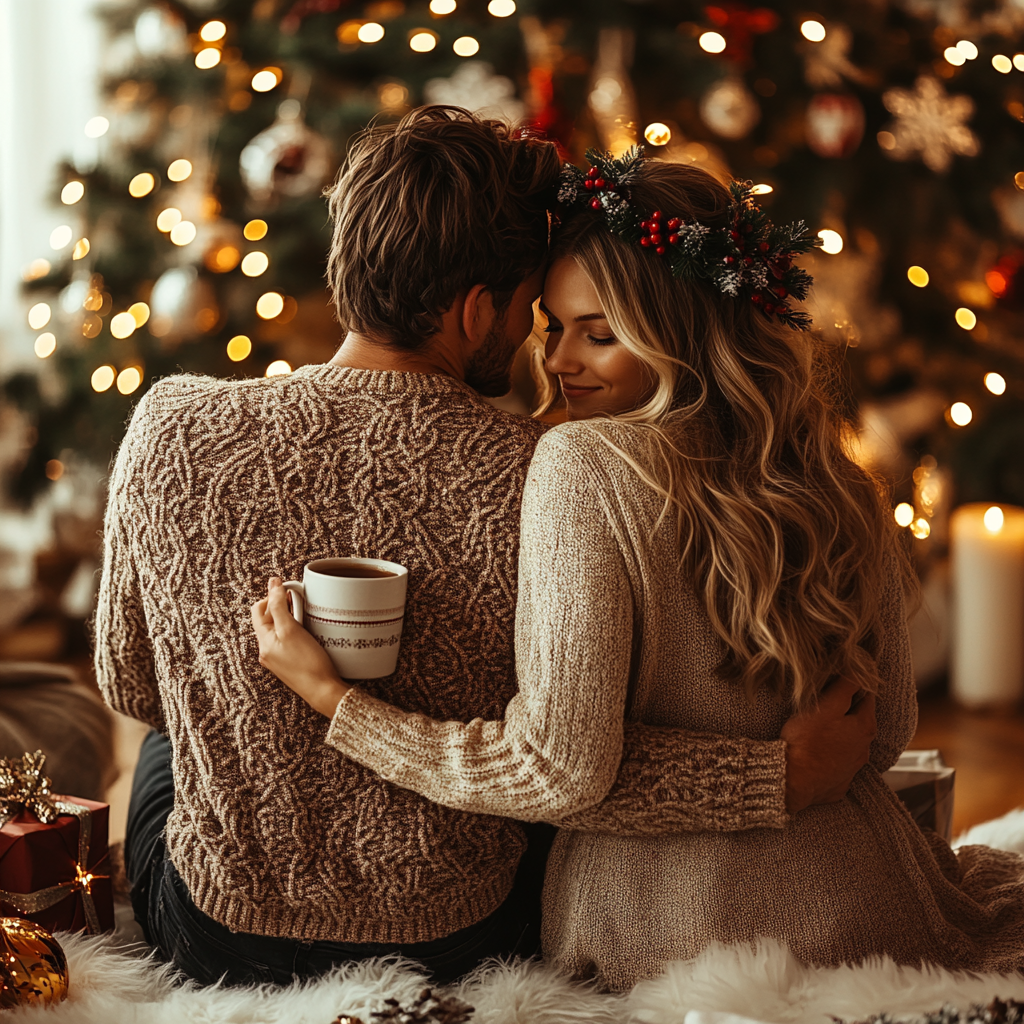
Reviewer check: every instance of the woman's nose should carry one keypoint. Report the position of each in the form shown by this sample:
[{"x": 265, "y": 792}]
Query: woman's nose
[{"x": 559, "y": 358}]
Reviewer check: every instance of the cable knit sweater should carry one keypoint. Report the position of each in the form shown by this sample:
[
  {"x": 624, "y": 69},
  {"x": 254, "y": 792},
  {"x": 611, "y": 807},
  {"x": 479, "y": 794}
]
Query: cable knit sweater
[
  {"x": 607, "y": 629},
  {"x": 219, "y": 485}
]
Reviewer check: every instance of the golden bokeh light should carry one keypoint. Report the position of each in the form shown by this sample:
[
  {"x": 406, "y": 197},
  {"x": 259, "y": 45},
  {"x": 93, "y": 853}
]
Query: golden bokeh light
[
  {"x": 658, "y": 134},
  {"x": 255, "y": 263},
  {"x": 422, "y": 40},
  {"x": 36, "y": 269},
  {"x": 960, "y": 414},
  {"x": 1002, "y": 63},
  {"x": 179, "y": 169},
  {"x": 183, "y": 232},
  {"x": 442, "y": 7},
  {"x": 1018, "y": 61},
  {"x": 966, "y": 318},
  {"x": 141, "y": 185},
  {"x": 996, "y": 383},
  {"x": 918, "y": 276},
  {"x": 465, "y": 46},
  {"x": 267, "y": 79},
  {"x": 903, "y": 513},
  {"x": 712, "y": 42},
  {"x": 223, "y": 259},
  {"x": 967, "y": 48},
  {"x": 45, "y": 345},
  {"x": 993, "y": 519},
  {"x": 269, "y": 305},
  {"x": 54, "y": 469},
  {"x": 39, "y": 316},
  {"x": 96, "y": 127},
  {"x": 762, "y": 189},
  {"x": 255, "y": 230},
  {"x": 954, "y": 56},
  {"x": 212, "y": 31},
  {"x": 72, "y": 192},
  {"x": 278, "y": 368},
  {"x": 60, "y": 236},
  {"x": 81, "y": 249},
  {"x": 208, "y": 57},
  {"x": 139, "y": 312},
  {"x": 239, "y": 348},
  {"x": 1018, "y": 179},
  {"x": 921, "y": 528},
  {"x": 812, "y": 30},
  {"x": 168, "y": 218},
  {"x": 831, "y": 241},
  {"x": 129, "y": 379},
  {"x": 122, "y": 325},
  {"x": 102, "y": 378},
  {"x": 371, "y": 32},
  {"x": 501, "y": 8}
]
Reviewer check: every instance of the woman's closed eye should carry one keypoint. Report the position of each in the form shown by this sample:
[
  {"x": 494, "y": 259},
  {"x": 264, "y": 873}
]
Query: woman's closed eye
[{"x": 601, "y": 341}]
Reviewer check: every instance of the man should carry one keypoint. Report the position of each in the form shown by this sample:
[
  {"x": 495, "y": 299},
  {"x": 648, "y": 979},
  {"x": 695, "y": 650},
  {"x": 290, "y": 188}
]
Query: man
[{"x": 256, "y": 852}]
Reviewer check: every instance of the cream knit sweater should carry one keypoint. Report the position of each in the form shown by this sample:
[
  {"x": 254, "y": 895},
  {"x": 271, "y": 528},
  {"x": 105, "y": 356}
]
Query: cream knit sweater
[
  {"x": 607, "y": 632},
  {"x": 219, "y": 485}
]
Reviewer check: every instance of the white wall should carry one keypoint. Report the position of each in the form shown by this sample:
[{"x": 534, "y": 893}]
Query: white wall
[{"x": 49, "y": 55}]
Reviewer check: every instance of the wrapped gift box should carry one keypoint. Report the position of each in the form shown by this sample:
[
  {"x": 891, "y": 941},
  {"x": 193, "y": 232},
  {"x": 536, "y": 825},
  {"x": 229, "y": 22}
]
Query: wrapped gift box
[{"x": 924, "y": 783}]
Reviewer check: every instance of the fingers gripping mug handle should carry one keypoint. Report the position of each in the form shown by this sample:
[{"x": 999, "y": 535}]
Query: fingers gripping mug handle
[{"x": 298, "y": 602}]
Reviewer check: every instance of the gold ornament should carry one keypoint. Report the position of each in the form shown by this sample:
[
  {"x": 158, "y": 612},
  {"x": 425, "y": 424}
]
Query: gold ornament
[
  {"x": 33, "y": 968},
  {"x": 23, "y": 786}
]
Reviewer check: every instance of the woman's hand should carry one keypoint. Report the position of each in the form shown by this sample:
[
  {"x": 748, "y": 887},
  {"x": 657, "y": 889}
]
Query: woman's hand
[{"x": 293, "y": 654}]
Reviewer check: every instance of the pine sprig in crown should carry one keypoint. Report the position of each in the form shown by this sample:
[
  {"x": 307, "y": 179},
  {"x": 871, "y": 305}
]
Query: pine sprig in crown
[{"x": 747, "y": 256}]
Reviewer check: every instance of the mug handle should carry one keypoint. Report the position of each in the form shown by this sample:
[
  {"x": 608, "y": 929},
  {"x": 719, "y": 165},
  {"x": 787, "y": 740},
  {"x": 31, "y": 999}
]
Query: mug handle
[{"x": 298, "y": 602}]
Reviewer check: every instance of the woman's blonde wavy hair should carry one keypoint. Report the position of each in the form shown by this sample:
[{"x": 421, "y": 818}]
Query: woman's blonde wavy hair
[{"x": 787, "y": 539}]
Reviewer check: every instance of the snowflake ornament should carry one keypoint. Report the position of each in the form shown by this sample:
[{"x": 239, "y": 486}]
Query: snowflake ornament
[
  {"x": 930, "y": 124},
  {"x": 476, "y": 87}
]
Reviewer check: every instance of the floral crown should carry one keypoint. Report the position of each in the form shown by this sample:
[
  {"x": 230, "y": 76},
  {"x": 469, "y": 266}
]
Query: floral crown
[{"x": 746, "y": 256}]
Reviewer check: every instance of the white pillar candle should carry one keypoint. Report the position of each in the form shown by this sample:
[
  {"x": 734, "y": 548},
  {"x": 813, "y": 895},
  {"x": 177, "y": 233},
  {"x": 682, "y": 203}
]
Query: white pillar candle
[{"x": 987, "y": 553}]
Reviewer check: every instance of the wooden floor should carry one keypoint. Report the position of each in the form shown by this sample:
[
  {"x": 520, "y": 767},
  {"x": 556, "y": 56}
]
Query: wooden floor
[{"x": 985, "y": 748}]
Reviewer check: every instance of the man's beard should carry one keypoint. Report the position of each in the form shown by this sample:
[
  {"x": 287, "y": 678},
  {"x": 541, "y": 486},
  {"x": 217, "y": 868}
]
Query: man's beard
[{"x": 489, "y": 371}]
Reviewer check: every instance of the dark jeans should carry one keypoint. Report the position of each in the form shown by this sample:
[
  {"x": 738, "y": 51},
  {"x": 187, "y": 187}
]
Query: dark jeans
[{"x": 207, "y": 951}]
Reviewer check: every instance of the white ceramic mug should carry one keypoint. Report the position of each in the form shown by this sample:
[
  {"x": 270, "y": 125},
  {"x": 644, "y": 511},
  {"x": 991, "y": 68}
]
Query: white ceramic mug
[{"x": 357, "y": 618}]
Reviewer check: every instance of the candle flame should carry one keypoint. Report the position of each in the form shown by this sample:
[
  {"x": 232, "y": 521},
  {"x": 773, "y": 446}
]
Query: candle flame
[{"x": 994, "y": 519}]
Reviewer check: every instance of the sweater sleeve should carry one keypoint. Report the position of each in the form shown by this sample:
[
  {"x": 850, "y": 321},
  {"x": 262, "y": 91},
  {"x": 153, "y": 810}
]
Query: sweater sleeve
[
  {"x": 557, "y": 751},
  {"x": 897, "y": 700},
  {"x": 124, "y": 663}
]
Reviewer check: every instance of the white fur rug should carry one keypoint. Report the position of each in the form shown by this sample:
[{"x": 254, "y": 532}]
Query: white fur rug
[{"x": 111, "y": 984}]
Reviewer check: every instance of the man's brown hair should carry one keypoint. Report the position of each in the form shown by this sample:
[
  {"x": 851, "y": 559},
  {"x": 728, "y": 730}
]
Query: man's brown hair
[{"x": 424, "y": 208}]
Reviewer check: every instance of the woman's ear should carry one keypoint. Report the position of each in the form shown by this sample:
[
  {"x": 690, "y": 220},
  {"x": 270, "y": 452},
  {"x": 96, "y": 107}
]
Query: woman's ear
[{"x": 478, "y": 314}]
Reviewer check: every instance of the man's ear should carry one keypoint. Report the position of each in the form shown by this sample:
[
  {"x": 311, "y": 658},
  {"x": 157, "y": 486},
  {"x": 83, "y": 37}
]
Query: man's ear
[{"x": 478, "y": 313}]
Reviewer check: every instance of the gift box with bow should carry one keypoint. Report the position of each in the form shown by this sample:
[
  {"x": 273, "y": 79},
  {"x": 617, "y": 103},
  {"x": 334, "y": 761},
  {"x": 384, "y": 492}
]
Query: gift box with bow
[{"x": 53, "y": 852}]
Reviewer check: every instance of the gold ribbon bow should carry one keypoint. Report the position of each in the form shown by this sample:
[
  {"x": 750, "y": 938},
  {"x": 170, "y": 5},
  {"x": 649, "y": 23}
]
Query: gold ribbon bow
[{"x": 24, "y": 786}]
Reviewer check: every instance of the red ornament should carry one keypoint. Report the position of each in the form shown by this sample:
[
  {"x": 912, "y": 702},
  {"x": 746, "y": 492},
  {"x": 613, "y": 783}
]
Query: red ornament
[
  {"x": 734, "y": 235},
  {"x": 599, "y": 183},
  {"x": 656, "y": 239},
  {"x": 592, "y": 172},
  {"x": 673, "y": 239},
  {"x": 747, "y": 260},
  {"x": 780, "y": 291},
  {"x": 764, "y": 246},
  {"x": 660, "y": 250},
  {"x": 643, "y": 225},
  {"x": 740, "y": 25},
  {"x": 729, "y": 259},
  {"x": 835, "y": 125},
  {"x": 656, "y": 215},
  {"x": 595, "y": 204},
  {"x": 756, "y": 300},
  {"x": 674, "y": 224},
  {"x": 588, "y": 185},
  {"x": 645, "y": 242}
]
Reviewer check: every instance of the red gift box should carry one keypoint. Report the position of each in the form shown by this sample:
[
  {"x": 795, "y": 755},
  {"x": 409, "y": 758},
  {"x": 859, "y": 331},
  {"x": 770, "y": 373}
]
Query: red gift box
[{"x": 54, "y": 858}]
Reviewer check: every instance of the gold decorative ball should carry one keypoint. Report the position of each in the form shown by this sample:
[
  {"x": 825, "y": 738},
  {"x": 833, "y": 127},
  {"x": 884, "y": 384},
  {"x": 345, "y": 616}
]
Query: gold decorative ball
[{"x": 33, "y": 968}]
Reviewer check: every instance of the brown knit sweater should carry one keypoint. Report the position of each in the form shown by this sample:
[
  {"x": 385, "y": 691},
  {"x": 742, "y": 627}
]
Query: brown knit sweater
[
  {"x": 219, "y": 485},
  {"x": 609, "y": 629}
]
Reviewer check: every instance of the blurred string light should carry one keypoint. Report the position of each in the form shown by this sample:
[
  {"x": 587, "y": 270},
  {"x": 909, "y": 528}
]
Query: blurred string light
[
  {"x": 996, "y": 383},
  {"x": 139, "y": 312},
  {"x": 102, "y": 378},
  {"x": 81, "y": 250},
  {"x": 278, "y": 368},
  {"x": 711, "y": 42},
  {"x": 45, "y": 345},
  {"x": 255, "y": 263},
  {"x": 960, "y": 414},
  {"x": 967, "y": 48},
  {"x": 466, "y": 46},
  {"x": 442, "y": 7},
  {"x": 267, "y": 79},
  {"x": 918, "y": 276},
  {"x": 168, "y": 218},
  {"x": 371, "y": 32},
  {"x": 501, "y": 8},
  {"x": 179, "y": 170},
  {"x": 269, "y": 305},
  {"x": 921, "y": 528},
  {"x": 1018, "y": 61},
  {"x": 993, "y": 519},
  {"x": 141, "y": 185},
  {"x": 954, "y": 56},
  {"x": 966, "y": 318},
  {"x": 422, "y": 40},
  {"x": 658, "y": 134},
  {"x": 1018, "y": 179},
  {"x": 812, "y": 30},
  {"x": 36, "y": 269},
  {"x": 72, "y": 192},
  {"x": 255, "y": 230},
  {"x": 183, "y": 232},
  {"x": 39, "y": 316},
  {"x": 212, "y": 31},
  {"x": 223, "y": 259},
  {"x": 831, "y": 241},
  {"x": 208, "y": 57},
  {"x": 903, "y": 513},
  {"x": 761, "y": 189},
  {"x": 129, "y": 379},
  {"x": 239, "y": 348},
  {"x": 1002, "y": 63},
  {"x": 60, "y": 236},
  {"x": 54, "y": 469},
  {"x": 122, "y": 325},
  {"x": 96, "y": 126}
]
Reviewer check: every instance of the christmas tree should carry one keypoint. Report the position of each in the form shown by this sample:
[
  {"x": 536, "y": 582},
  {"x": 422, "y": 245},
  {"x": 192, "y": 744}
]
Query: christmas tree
[{"x": 198, "y": 241}]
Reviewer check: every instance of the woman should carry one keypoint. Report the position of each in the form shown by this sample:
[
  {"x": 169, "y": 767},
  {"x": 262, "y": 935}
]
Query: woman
[{"x": 698, "y": 550}]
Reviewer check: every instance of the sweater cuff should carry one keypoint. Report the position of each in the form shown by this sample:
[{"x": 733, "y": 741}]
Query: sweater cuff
[
  {"x": 762, "y": 789},
  {"x": 356, "y": 723}
]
